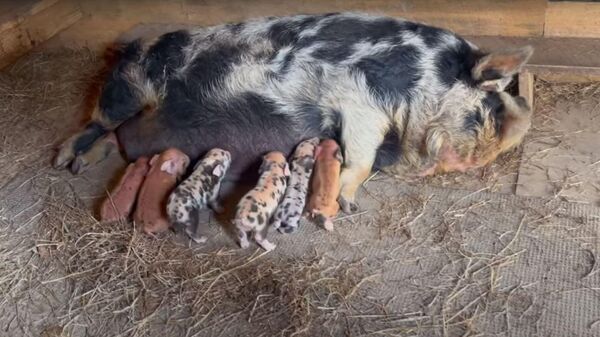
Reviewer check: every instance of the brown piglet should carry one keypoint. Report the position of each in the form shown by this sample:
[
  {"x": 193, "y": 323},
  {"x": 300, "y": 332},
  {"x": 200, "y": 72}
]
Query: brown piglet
[
  {"x": 119, "y": 204},
  {"x": 165, "y": 170},
  {"x": 325, "y": 185}
]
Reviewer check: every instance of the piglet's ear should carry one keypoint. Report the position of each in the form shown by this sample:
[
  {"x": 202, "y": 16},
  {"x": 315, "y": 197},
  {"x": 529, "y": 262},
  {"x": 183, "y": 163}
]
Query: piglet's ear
[
  {"x": 494, "y": 71},
  {"x": 286, "y": 170},
  {"x": 218, "y": 170},
  {"x": 338, "y": 155},
  {"x": 169, "y": 167},
  {"x": 318, "y": 150},
  {"x": 153, "y": 160}
]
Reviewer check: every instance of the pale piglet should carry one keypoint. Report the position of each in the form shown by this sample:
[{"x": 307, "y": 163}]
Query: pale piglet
[
  {"x": 165, "y": 171},
  {"x": 119, "y": 204},
  {"x": 197, "y": 192},
  {"x": 288, "y": 214},
  {"x": 256, "y": 208},
  {"x": 325, "y": 186}
]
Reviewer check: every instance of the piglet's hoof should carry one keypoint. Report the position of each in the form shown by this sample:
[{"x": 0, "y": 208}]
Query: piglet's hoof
[{"x": 348, "y": 207}]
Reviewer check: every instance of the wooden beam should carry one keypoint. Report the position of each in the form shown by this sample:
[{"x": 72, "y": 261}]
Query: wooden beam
[
  {"x": 34, "y": 29},
  {"x": 526, "y": 87},
  {"x": 572, "y": 19},
  {"x": 13, "y": 13}
]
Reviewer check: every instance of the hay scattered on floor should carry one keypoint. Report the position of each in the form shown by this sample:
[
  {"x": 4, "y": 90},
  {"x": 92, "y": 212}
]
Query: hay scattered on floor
[
  {"x": 36, "y": 94},
  {"x": 139, "y": 283}
]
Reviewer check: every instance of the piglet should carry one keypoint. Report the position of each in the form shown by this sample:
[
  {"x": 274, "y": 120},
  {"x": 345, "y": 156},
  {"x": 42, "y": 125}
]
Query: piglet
[
  {"x": 119, "y": 204},
  {"x": 290, "y": 209},
  {"x": 165, "y": 170},
  {"x": 199, "y": 190},
  {"x": 325, "y": 186},
  {"x": 255, "y": 209}
]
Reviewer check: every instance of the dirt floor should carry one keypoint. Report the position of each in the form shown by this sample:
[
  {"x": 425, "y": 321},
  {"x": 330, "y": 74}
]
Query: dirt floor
[{"x": 508, "y": 250}]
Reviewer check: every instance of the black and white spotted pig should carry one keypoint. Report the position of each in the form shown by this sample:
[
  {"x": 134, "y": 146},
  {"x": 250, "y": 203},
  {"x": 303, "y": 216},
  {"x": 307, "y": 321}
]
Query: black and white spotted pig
[
  {"x": 395, "y": 94},
  {"x": 198, "y": 191},
  {"x": 256, "y": 208},
  {"x": 290, "y": 209}
]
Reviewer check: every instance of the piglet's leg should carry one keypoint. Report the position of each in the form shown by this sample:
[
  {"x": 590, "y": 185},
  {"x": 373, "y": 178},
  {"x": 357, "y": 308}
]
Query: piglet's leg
[
  {"x": 264, "y": 243},
  {"x": 243, "y": 238},
  {"x": 216, "y": 206}
]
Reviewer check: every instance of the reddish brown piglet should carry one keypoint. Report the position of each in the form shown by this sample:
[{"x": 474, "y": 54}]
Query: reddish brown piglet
[
  {"x": 325, "y": 186},
  {"x": 165, "y": 171},
  {"x": 120, "y": 202}
]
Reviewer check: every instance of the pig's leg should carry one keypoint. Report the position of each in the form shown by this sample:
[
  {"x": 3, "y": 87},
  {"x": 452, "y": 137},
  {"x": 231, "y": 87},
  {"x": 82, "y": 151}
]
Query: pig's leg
[
  {"x": 126, "y": 93},
  {"x": 242, "y": 233},
  {"x": 215, "y": 205},
  {"x": 261, "y": 240},
  {"x": 360, "y": 150},
  {"x": 101, "y": 149}
]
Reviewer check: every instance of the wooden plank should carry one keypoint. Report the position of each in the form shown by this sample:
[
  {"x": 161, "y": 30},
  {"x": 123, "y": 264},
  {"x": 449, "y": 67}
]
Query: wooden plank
[
  {"x": 13, "y": 13},
  {"x": 572, "y": 19},
  {"x": 526, "y": 87},
  {"x": 35, "y": 29},
  {"x": 573, "y": 52},
  {"x": 483, "y": 17}
]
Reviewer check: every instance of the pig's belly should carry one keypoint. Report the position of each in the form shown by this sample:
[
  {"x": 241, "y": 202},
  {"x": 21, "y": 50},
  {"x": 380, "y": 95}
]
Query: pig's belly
[{"x": 145, "y": 137}]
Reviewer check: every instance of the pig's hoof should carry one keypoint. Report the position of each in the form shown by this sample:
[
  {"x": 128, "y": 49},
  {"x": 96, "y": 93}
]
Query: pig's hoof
[
  {"x": 244, "y": 244},
  {"x": 79, "y": 165},
  {"x": 64, "y": 156},
  {"x": 199, "y": 239},
  {"x": 266, "y": 245},
  {"x": 348, "y": 206},
  {"x": 287, "y": 229}
]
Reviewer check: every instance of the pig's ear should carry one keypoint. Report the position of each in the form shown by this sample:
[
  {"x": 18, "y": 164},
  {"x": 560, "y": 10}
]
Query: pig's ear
[
  {"x": 286, "y": 170},
  {"x": 169, "y": 167},
  {"x": 318, "y": 150},
  {"x": 494, "y": 71},
  {"x": 263, "y": 167},
  {"x": 218, "y": 170},
  {"x": 338, "y": 155},
  {"x": 153, "y": 160}
]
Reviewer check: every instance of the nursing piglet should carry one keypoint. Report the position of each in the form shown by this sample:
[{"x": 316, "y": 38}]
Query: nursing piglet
[
  {"x": 290, "y": 209},
  {"x": 325, "y": 186},
  {"x": 256, "y": 208},
  {"x": 165, "y": 171},
  {"x": 121, "y": 199},
  {"x": 199, "y": 190}
]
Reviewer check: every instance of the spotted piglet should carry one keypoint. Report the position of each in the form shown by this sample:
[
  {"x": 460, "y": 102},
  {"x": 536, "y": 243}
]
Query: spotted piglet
[
  {"x": 325, "y": 185},
  {"x": 165, "y": 170},
  {"x": 199, "y": 190},
  {"x": 290, "y": 209},
  {"x": 255, "y": 209}
]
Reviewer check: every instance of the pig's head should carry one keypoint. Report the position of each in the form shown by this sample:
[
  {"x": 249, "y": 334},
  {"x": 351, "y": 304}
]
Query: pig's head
[
  {"x": 476, "y": 119},
  {"x": 172, "y": 161},
  {"x": 219, "y": 160},
  {"x": 306, "y": 148},
  {"x": 275, "y": 161},
  {"x": 329, "y": 148}
]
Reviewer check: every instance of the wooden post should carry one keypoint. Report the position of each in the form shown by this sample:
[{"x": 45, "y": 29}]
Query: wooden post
[{"x": 526, "y": 86}]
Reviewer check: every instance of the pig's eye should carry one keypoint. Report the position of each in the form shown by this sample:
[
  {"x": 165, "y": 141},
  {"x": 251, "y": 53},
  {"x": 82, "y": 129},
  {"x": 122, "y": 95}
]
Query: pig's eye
[
  {"x": 494, "y": 103},
  {"x": 473, "y": 120}
]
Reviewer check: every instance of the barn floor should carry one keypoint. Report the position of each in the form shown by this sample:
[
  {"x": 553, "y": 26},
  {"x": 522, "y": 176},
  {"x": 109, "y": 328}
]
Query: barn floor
[{"x": 509, "y": 250}]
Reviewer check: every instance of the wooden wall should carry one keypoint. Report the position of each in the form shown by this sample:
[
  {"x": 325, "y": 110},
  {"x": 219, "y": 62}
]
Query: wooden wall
[
  {"x": 105, "y": 20},
  {"x": 95, "y": 23}
]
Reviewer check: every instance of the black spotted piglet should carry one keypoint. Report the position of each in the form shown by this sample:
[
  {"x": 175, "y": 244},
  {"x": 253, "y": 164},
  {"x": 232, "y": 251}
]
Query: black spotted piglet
[
  {"x": 199, "y": 190},
  {"x": 290, "y": 209},
  {"x": 256, "y": 208}
]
